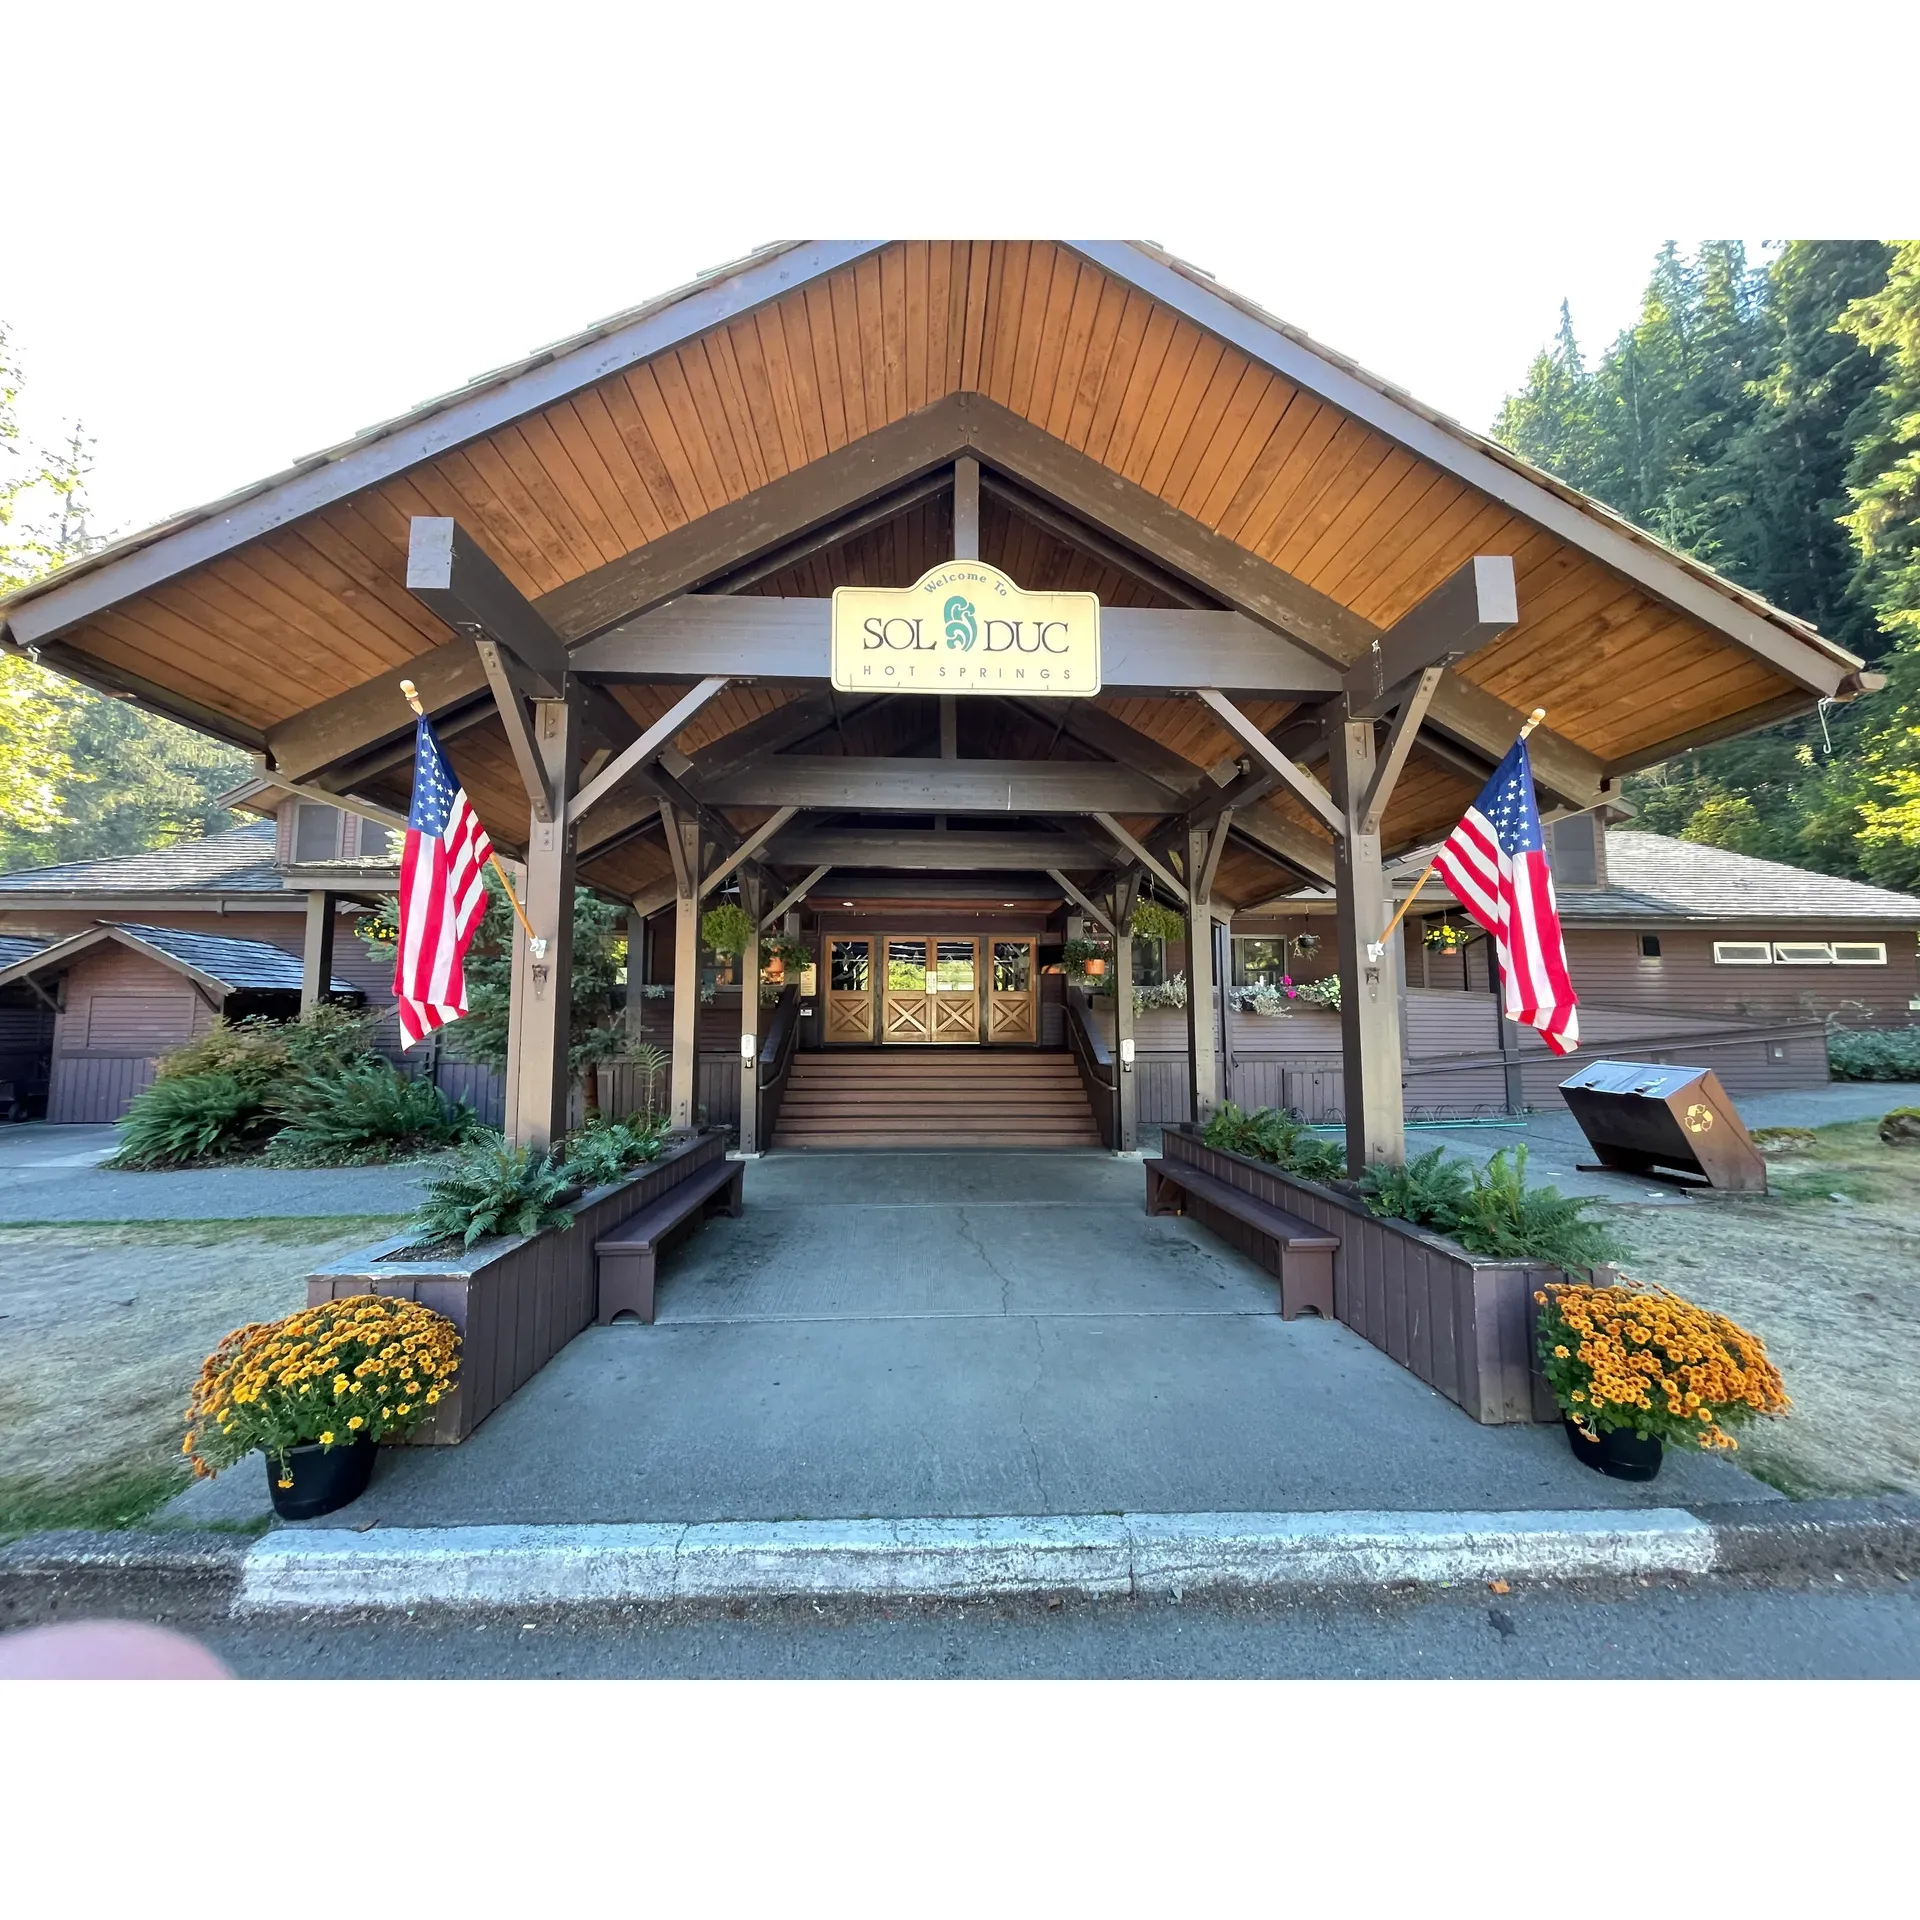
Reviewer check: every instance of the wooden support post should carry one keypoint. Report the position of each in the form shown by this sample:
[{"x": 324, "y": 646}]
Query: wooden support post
[
  {"x": 1370, "y": 1036},
  {"x": 750, "y": 1019},
  {"x": 1509, "y": 1032},
  {"x": 540, "y": 1014},
  {"x": 636, "y": 977},
  {"x": 686, "y": 967},
  {"x": 1223, "y": 981},
  {"x": 1200, "y": 1019},
  {"x": 1126, "y": 1082},
  {"x": 316, "y": 954}
]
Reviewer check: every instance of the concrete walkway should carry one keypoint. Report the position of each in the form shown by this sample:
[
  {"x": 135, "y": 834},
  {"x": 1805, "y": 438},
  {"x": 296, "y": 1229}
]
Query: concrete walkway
[
  {"x": 53, "y": 1174},
  {"x": 923, "y": 1335}
]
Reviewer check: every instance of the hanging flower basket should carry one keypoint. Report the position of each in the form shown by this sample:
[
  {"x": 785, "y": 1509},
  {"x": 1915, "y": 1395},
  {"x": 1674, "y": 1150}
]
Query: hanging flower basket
[
  {"x": 1446, "y": 939},
  {"x": 1152, "y": 920},
  {"x": 726, "y": 928}
]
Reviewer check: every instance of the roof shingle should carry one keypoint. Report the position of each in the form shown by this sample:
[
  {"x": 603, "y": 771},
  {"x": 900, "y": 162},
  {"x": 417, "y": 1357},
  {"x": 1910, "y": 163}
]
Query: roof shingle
[{"x": 237, "y": 861}]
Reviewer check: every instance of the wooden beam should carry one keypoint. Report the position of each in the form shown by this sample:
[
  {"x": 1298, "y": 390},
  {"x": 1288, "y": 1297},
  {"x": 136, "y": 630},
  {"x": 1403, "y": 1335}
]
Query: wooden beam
[
  {"x": 617, "y": 819},
  {"x": 346, "y": 802},
  {"x": 686, "y": 870},
  {"x": 1103, "y": 916},
  {"x": 937, "y": 852},
  {"x": 450, "y": 572},
  {"x": 316, "y": 951},
  {"x": 748, "y": 847},
  {"x": 515, "y": 724},
  {"x": 836, "y": 533},
  {"x": 647, "y": 903},
  {"x": 879, "y": 784},
  {"x": 1274, "y": 834},
  {"x": 643, "y": 749},
  {"x": 1147, "y": 859},
  {"x": 1304, "y": 785},
  {"x": 966, "y": 508},
  {"x": 793, "y": 896},
  {"x": 1215, "y": 843},
  {"x": 1077, "y": 533},
  {"x": 1469, "y": 608},
  {"x": 760, "y": 637},
  {"x": 1406, "y": 727}
]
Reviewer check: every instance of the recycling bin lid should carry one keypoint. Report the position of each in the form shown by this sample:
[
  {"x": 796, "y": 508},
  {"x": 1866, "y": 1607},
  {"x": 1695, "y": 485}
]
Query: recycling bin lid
[{"x": 1656, "y": 1082}]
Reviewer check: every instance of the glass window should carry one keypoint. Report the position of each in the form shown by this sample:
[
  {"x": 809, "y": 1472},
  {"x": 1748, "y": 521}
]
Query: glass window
[
  {"x": 1742, "y": 953},
  {"x": 1859, "y": 953},
  {"x": 316, "y": 833},
  {"x": 1258, "y": 962},
  {"x": 379, "y": 843},
  {"x": 1649, "y": 946},
  {"x": 906, "y": 966},
  {"x": 954, "y": 962},
  {"x": 717, "y": 969},
  {"x": 1149, "y": 963},
  {"x": 847, "y": 970},
  {"x": 1012, "y": 966},
  {"x": 1802, "y": 953}
]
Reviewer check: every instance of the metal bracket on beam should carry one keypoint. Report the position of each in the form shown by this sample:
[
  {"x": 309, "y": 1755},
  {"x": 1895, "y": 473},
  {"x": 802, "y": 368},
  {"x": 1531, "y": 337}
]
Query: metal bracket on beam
[{"x": 1304, "y": 785}]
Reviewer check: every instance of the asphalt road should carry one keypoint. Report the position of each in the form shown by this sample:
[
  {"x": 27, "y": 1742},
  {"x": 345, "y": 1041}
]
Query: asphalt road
[{"x": 1856, "y": 1627}]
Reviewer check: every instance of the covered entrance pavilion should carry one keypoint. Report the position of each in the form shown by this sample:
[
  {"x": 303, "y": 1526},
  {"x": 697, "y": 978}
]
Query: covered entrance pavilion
[{"x": 1324, "y": 613}]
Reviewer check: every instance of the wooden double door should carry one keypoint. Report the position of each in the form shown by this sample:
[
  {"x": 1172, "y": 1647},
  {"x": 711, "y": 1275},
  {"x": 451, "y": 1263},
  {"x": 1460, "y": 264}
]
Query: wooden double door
[{"x": 912, "y": 989}]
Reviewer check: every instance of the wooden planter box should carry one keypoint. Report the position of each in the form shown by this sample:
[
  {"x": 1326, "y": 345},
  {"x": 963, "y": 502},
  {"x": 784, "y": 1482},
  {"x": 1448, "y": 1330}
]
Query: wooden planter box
[
  {"x": 1461, "y": 1323},
  {"x": 518, "y": 1300}
]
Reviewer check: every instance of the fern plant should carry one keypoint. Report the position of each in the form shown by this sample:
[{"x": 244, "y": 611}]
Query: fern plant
[
  {"x": 1502, "y": 1216},
  {"x": 726, "y": 928},
  {"x": 650, "y": 1063},
  {"x": 493, "y": 1189},
  {"x": 598, "y": 1156},
  {"x": 1270, "y": 1135},
  {"x": 1154, "y": 920},
  {"x": 191, "y": 1117},
  {"x": 366, "y": 1111},
  {"x": 1431, "y": 1191}
]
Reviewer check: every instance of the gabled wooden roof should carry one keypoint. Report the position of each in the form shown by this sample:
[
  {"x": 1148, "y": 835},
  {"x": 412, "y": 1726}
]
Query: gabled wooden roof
[{"x": 1140, "y": 400}]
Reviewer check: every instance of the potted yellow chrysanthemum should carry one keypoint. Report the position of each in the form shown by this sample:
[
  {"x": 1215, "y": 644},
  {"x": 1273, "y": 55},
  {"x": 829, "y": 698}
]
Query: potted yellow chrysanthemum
[
  {"x": 317, "y": 1392},
  {"x": 1636, "y": 1369}
]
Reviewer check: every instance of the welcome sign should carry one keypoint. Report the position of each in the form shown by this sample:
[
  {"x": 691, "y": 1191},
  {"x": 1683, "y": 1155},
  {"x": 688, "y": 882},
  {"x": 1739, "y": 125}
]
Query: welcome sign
[{"x": 964, "y": 627}]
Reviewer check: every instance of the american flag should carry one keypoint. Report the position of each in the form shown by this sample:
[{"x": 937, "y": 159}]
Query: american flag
[
  {"x": 1496, "y": 863},
  {"x": 443, "y": 894}
]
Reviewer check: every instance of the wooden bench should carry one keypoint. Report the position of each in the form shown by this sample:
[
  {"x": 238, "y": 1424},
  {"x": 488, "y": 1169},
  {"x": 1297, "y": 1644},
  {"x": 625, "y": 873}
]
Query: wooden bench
[
  {"x": 624, "y": 1259},
  {"x": 1302, "y": 1253}
]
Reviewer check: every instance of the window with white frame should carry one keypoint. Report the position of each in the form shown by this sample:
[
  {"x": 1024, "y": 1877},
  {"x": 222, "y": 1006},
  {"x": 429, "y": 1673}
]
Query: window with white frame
[
  {"x": 1742, "y": 953},
  {"x": 1802, "y": 953},
  {"x": 1859, "y": 953}
]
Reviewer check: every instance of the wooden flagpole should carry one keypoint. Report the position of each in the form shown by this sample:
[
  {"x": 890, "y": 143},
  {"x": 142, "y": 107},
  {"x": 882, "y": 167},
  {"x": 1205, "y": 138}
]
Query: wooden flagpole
[
  {"x": 1533, "y": 720},
  {"x": 493, "y": 859}
]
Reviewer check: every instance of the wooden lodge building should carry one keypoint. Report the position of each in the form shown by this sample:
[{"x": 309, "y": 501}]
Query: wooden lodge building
[{"x": 933, "y": 599}]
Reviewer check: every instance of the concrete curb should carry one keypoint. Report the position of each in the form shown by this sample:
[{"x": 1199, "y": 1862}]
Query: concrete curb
[
  {"x": 320, "y": 1569},
  {"x": 315, "y": 1569}
]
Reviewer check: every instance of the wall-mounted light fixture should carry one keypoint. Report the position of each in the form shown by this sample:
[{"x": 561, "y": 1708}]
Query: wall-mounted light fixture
[{"x": 748, "y": 1046}]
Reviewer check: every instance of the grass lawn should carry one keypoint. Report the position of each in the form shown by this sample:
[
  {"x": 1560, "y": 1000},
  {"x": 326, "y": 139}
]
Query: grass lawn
[
  {"x": 1826, "y": 1270},
  {"x": 103, "y": 1330}
]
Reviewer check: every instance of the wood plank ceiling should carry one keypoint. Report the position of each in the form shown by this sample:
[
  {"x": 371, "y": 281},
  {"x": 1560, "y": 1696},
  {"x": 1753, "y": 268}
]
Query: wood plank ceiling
[{"x": 321, "y": 605}]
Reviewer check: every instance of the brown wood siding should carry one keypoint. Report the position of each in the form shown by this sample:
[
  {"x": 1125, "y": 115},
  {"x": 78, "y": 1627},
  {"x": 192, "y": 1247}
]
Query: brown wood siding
[{"x": 120, "y": 1012}]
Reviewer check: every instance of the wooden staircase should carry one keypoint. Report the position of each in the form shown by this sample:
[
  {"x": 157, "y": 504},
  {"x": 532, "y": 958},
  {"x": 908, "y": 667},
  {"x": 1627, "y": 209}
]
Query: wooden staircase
[{"x": 934, "y": 1097}]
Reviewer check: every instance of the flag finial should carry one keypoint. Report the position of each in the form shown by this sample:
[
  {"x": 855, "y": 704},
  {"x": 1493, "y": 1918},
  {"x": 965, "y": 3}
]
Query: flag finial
[{"x": 1533, "y": 720}]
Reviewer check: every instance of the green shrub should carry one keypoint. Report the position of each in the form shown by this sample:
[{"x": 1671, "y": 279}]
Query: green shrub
[
  {"x": 253, "y": 1052},
  {"x": 326, "y": 1038},
  {"x": 491, "y": 1189},
  {"x": 1431, "y": 1191},
  {"x": 1875, "y": 1056},
  {"x": 1502, "y": 1216},
  {"x": 599, "y": 1155},
  {"x": 193, "y": 1116},
  {"x": 364, "y": 1111}
]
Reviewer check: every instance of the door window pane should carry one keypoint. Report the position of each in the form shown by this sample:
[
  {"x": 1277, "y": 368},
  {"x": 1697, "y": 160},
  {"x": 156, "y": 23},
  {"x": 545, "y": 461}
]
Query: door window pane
[
  {"x": 1012, "y": 966},
  {"x": 848, "y": 972},
  {"x": 953, "y": 966},
  {"x": 906, "y": 966}
]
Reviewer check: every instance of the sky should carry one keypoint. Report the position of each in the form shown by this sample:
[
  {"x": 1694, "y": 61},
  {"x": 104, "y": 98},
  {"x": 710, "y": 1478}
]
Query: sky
[{"x": 237, "y": 235}]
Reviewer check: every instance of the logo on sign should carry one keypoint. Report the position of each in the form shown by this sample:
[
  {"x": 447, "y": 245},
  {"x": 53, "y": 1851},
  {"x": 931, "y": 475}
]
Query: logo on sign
[{"x": 965, "y": 627}]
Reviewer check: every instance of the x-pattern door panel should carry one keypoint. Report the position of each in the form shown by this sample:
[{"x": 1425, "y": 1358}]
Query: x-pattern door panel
[
  {"x": 850, "y": 990},
  {"x": 932, "y": 991},
  {"x": 1012, "y": 1014}
]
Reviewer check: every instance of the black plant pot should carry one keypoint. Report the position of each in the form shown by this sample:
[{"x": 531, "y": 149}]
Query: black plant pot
[
  {"x": 324, "y": 1479},
  {"x": 1620, "y": 1455}
]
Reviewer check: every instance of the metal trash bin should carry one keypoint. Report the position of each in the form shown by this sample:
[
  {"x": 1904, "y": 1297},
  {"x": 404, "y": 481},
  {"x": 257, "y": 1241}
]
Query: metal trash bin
[{"x": 1639, "y": 1116}]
